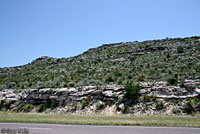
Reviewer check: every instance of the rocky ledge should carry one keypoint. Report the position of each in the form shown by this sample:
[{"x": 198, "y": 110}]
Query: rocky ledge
[{"x": 154, "y": 98}]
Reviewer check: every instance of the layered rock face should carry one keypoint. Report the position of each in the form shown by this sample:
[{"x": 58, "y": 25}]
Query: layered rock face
[
  {"x": 99, "y": 99},
  {"x": 162, "y": 90}
]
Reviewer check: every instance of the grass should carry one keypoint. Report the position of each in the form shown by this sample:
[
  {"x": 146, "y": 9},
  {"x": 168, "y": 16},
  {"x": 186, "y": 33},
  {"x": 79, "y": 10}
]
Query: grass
[{"x": 145, "y": 120}]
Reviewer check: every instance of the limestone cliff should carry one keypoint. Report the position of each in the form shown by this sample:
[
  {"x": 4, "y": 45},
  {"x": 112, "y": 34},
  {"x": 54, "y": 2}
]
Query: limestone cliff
[{"x": 155, "y": 97}]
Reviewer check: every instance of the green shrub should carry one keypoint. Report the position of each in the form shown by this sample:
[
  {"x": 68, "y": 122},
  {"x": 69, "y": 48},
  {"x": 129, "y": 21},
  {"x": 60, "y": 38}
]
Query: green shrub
[
  {"x": 53, "y": 103},
  {"x": 154, "y": 98},
  {"x": 117, "y": 73},
  {"x": 109, "y": 79},
  {"x": 168, "y": 55},
  {"x": 20, "y": 107},
  {"x": 121, "y": 100},
  {"x": 159, "y": 105},
  {"x": 132, "y": 58},
  {"x": 85, "y": 102},
  {"x": 74, "y": 107},
  {"x": 146, "y": 98},
  {"x": 100, "y": 107},
  {"x": 41, "y": 108},
  {"x": 2, "y": 104},
  {"x": 126, "y": 109},
  {"x": 71, "y": 84},
  {"x": 180, "y": 50},
  {"x": 196, "y": 99},
  {"x": 28, "y": 108},
  {"x": 131, "y": 92},
  {"x": 175, "y": 101},
  {"x": 190, "y": 107},
  {"x": 172, "y": 81},
  {"x": 182, "y": 84},
  {"x": 17, "y": 109},
  {"x": 23, "y": 107},
  {"x": 141, "y": 77}
]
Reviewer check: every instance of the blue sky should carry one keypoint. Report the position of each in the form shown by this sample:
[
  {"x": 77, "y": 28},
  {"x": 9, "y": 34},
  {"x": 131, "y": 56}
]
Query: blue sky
[{"x": 62, "y": 28}]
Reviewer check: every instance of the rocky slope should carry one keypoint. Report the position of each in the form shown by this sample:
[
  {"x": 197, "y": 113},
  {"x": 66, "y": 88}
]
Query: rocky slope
[
  {"x": 154, "y": 60},
  {"x": 98, "y": 81}
]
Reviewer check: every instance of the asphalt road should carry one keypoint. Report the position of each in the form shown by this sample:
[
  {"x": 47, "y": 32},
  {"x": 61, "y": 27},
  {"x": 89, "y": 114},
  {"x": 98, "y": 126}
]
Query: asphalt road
[{"x": 25, "y": 128}]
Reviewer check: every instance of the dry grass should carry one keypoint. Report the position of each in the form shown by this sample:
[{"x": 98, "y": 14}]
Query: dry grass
[{"x": 147, "y": 120}]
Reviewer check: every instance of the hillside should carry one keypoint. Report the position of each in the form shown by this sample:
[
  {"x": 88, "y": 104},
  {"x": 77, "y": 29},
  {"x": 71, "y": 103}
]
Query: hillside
[{"x": 148, "y": 61}]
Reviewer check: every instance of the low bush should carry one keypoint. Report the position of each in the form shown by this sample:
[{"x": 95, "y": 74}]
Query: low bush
[
  {"x": 53, "y": 103},
  {"x": 2, "y": 104},
  {"x": 180, "y": 50},
  {"x": 141, "y": 77},
  {"x": 146, "y": 98},
  {"x": 159, "y": 105},
  {"x": 190, "y": 107},
  {"x": 85, "y": 102},
  {"x": 17, "y": 109},
  {"x": 20, "y": 107},
  {"x": 28, "y": 108},
  {"x": 196, "y": 99},
  {"x": 100, "y": 107},
  {"x": 23, "y": 107},
  {"x": 74, "y": 107},
  {"x": 154, "y": 98},
  {"x": 126, "y": 109},
  {"x": 109, "y": 79},
  {"x": 131, "y": 92},
  {"x": 172, "y": 81},
  {"x": 41, "y": 108},
  {"x": 119, "y": 101}
]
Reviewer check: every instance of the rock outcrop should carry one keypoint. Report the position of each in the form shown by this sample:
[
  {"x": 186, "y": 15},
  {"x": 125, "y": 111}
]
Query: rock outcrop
[
  {"x": 162, "y": 90},
  {"x": 103, "y": 97}
]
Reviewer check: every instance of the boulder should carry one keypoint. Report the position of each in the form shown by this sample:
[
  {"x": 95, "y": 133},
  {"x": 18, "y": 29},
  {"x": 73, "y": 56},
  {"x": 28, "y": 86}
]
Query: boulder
[
  {"x": 45, "y": 91},
  {"x": 72, "y": 90},
  {"x": 11, "y": 100},
  {"x": 62, "y": 91},
  {"x": 121, "y": 106},
  {"x": 109, "y": 93}
]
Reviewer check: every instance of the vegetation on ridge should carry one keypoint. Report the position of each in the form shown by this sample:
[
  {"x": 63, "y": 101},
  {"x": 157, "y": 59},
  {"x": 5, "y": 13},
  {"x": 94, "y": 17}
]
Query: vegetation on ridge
[{"x": 168, "y": 59}]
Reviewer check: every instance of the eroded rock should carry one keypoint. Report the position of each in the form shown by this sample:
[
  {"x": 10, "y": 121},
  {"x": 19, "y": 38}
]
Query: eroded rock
[{"x": 72, "y": 98}]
